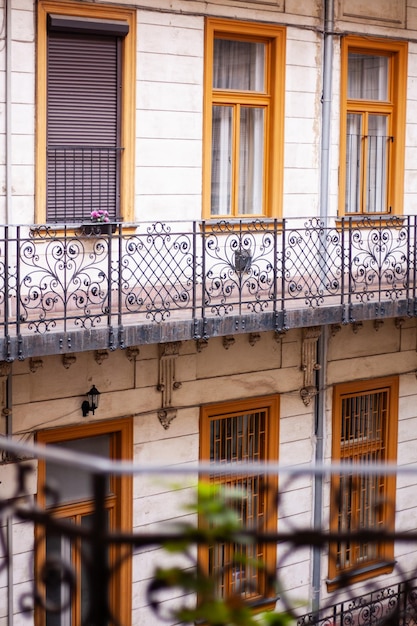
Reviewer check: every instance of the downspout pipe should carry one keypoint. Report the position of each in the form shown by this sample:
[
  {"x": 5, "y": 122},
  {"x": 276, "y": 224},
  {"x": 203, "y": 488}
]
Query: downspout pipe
[
  {"x": 8, "y": 97},
  {"x": 10, "y": 579},
  {"x": 320, "y": 413},
  {"x": 320, "y": 399},
  {"x": 7, "y": 8},
  {"x": 326, "y": 97}
]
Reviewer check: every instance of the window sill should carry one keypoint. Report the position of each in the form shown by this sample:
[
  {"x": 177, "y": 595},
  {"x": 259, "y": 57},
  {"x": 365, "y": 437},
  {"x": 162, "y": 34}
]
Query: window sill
[
  {"x": 257, "y": 606},
  {"x": 86, "y": 230},
  {"x": 357, "y": 575},
  {"x": 256, "y": 223},
  {"x": 369, "y": 220}
]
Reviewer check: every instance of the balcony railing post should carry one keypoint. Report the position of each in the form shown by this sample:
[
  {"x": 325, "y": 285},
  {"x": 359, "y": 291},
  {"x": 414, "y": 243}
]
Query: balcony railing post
[
  {"x": 203, "y": 280},
  {"x": 5, "y": 243},
  {"x": 350, "y": 319},
  {"x": 345, "y": 316},
  {"x": 414, "y": 256},
  {"x": 240, "y": 274},
  {"x": 194, "y": 287},
  {"x": 119, "y": 284},
  {"x": 407, "y": 267},
  {"x": 283, "y": 294},
  {"x": 18, "y": 290},
  {"x": 275, "y": 276},
  {"x": 65, "y": 279},
  {"x": 109, "y": 242}
]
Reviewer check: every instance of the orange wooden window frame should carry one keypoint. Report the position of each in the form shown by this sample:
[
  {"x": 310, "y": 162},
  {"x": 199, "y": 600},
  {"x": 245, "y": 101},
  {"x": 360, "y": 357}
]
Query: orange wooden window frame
[
  {"x": 128, "y": 113},
  {"x": 394, "y": 107},
  {"x": 387, "y": 447},
  {"x": 271, "y": 100},
  {"x": 269, "y": 405},
  {"x": 119, "y": 504}
]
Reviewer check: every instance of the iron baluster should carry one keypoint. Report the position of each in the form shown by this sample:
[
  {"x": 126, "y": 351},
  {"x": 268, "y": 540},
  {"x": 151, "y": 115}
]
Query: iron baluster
[
  {"x": 204, "y": 294},
  {"x": 6, "y": 280},
  {"x": 415, "y": 264},
  {"x": 195, "y": 281},
  {"x": 283, "y": 269}
]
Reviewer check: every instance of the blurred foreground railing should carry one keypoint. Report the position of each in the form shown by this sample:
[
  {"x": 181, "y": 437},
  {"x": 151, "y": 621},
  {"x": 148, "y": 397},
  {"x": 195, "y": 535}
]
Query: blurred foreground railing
[
  {"x": 205, "y": 278},
  {"x": 393, "y": 604}
]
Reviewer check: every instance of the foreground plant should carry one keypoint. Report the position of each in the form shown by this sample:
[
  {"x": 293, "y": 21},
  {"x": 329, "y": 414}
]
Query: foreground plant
[{"x": 218, "y": 508}]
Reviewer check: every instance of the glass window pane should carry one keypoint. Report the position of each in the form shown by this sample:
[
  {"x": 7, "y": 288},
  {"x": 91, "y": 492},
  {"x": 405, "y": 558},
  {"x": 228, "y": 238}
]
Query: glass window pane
[
  {"x": 240, "y": 438},
  {"x": 85, "y": 577},
  {"x": 239, "y": 65},
  {"x": 363, "y": 440},
  {"x": 85, "y": 584},
  {"x": 221, "y": 161},
  {"x": 353, "y": 163},
  {"x": 75, "y": 485},
  {"x": 251, "y": 160},
  {"x": 58, "y": 598},
  {"x": 377, "y": 163},
  {"x": 367, "y": 77}
]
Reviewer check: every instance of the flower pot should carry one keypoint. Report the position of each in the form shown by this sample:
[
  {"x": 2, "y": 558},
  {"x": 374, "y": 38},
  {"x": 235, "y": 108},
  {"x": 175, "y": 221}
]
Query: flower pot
[{"x": 95, "y": 229}]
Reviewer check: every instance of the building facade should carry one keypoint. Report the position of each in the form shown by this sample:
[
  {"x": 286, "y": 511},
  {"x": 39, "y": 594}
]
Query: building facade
[{"x": 208, "y": 213}]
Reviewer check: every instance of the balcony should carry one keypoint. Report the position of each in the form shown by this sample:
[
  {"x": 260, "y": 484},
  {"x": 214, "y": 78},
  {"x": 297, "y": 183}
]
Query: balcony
[
  {"x": 390, "y": 604},
  {"x": 79, "y": 288}
]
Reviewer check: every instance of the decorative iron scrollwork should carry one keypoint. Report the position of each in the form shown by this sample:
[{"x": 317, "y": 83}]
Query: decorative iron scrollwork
[{"x": 191, "y": 272}]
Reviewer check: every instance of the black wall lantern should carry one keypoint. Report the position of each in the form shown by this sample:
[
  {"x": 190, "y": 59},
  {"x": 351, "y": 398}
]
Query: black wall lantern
[{"x": 92, "y": 403}]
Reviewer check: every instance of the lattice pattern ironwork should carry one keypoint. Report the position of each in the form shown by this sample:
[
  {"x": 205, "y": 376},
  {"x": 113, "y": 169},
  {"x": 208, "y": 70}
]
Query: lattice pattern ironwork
[{"x": 197, "y": 273}]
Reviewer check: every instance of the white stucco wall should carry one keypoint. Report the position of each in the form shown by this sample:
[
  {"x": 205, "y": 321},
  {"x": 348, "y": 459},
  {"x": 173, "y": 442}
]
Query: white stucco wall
[
  {"x": 169, "y": 104},
  {"x": 52, "y": 396}
]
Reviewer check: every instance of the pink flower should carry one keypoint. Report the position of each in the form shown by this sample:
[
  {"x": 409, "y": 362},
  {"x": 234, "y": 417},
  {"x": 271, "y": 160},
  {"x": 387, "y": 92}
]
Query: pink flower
[{"x": 100, "y": 215}]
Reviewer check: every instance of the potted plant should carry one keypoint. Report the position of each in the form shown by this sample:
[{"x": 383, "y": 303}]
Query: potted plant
[{"x": 100, "y": 223}]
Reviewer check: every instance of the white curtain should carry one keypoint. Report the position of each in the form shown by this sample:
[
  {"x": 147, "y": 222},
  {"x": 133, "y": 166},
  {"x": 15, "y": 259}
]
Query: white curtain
[
  {"x": 367, "y": 140},
  {"x": 221, "y": 160},
  {"x": 238, "y": 66}
]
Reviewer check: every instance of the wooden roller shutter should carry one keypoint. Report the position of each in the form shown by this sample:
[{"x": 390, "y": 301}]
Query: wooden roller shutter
[{"x": 83, "y": 129}]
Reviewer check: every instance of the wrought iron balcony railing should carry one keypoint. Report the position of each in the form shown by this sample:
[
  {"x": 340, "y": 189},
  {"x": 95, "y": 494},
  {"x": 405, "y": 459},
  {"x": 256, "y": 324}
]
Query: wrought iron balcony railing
[
  {"x": 184, "y": 280},
  {"x": 57, "y": 566}
]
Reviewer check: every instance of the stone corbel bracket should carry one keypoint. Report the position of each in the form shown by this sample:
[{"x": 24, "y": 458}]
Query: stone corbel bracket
[
  {"x": 166, "y": 416},
  {"x": 5, "y": 368},
  {"x": 228, "y": 341},
  {"x": 68, "y": 360},
  {"x": 309, "y": 363},
  {"x": 35, "y": 364},
  {"x": 201, "y": 344},
  {"x": 132, "y": 352},
  {"x": 100, "y": 356},
  {"x": 168, "y": 354}
]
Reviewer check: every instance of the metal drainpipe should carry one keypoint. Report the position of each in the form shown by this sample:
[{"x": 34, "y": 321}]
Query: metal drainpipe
[
  {"x": 8, "y": 129},
  {"x": 320, "y": 412},
  {"x": 326, "y": 107},
  {"x": 320, "y": 400},
  {"x": 8, "y": 176},
  {"x": 9, "y": 433}
]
